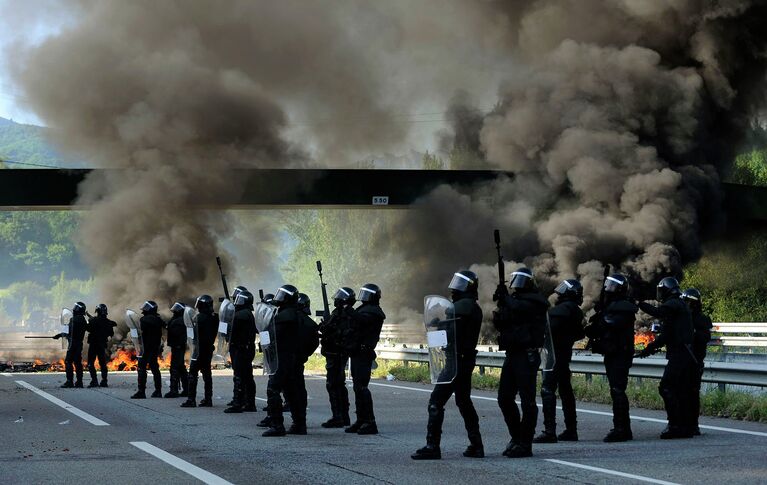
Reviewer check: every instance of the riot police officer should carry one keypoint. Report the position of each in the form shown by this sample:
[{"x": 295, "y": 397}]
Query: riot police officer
[
  {"x": 678, "y": 381},
  {"x": 520, "y": 318},
  {"x": 611, "y": 333},
  {"x": 100, "y": 329},
  {"x": 308, "y": 341},
  {"x": 242, "y": 348},
  {"x": 468, "y": 321},
  {"x": 335, "y": 330},
  {"x": 287, "y": 323},
  {"x": 233, "y": 352},
  {"x": 73, "y": 361},
  {"x": 177, "y": 343},
  {"x": 702, "y": 325},
  {"x": 206, "y": 328},
  {"x": 151, "y": 332},
  {"x": 367, "y": 321},
  {"x": 566, "y": 320}
]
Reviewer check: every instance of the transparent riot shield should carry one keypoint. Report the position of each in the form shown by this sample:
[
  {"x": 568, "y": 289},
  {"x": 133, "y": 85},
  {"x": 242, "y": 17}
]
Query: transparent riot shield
[
  {"x": 548, "y": 359},
  {"x": 192, "y": 333},
  {"x": 66, "y": 338},
  {"x": 134, "y": 325},
  {"x": 439, "y": 320},
  {"x": 225, "y": 320},
  {"x": 267, "y": 335}
]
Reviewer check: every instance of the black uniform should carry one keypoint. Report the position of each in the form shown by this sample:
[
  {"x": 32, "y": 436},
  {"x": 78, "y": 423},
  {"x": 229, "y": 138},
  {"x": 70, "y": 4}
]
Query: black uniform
[
  {"x": 100, "y": 329},
  {"x": 177, "y": 344},
  {"x": 151, "y": 334},
  {"x": 566, "y": 319},
  {"x": 702, "y": 325},
  {"x": 242, "y": 348},
  {"x": 73, "y": 361},
  {"x": 468, "y": 317},
  {"x": 286, "y": 323},
  {"x": 678, "y": 383},
  {"x": 521, "y": 321},
  {"x": 367, "y": 321},
  {"x": 308, "y": 341},
  {"x": 335, "y": 347},
  {"x": 207, "y": 330},
  {"x": 612, "y": 335}
]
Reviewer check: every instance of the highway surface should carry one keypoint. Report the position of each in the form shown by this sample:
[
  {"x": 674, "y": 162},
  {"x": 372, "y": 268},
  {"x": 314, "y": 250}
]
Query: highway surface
[{"x": 53, "y": 435}]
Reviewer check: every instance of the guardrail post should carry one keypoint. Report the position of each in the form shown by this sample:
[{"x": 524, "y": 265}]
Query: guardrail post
[
  {"x": 722, "y": 387},
  {"x": 588, "y": 377},
  {"x": 482, "y": 370}
]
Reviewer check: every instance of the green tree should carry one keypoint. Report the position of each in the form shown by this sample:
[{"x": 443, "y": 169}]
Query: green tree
[{"x": 431, "y": 161}]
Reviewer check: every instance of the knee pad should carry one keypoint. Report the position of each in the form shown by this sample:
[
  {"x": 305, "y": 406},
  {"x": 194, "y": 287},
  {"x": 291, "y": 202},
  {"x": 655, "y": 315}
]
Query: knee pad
[
  {"x": 547, "y": 392},
  {"x": 434, "y": 409}
]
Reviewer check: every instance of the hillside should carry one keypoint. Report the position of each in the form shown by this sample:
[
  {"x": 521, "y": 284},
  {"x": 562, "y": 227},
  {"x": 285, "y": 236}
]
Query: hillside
[{"x": 27, "y": 144}]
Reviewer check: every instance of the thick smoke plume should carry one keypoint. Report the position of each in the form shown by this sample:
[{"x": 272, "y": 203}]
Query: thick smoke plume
[
  {"x": 614, "y": 125},
  {"x": 613, "y": 116}
]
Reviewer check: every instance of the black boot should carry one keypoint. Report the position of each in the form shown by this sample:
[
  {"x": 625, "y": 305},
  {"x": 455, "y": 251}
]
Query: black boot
[
  {"x": 191, "y": 400},
  {"x": 274, "y": 431},
  {"x": 433, "y": 435},
  {"x": 79, "y": 384},
  {"x": 141, "y": 393},
  {"x": 336, "y": 421},
  {"x": 368, "y": 428},
  {"x": 67, "y": 385},
  {"x": 569, "y": 434},
  {"x": 94, "y": 383},
  {"x": 173, "y": 392},
  {"x": 475, "y": 449},
  {"x": 546, "y": 436},
  {"x": 297, "y": 428},
  {"x": 354, "y": 427},
  {"x": 265, "y": 423},
  {"x": 104, "y": 383},
  {"x": 207, "y": 400},
  {"x": 236, "y": 406},
  {"x": 518, "y": 450},
  {"x": 617, "y": 435}
]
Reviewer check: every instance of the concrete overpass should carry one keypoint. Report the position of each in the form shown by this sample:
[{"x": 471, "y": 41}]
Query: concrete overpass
[{"x": 56, "y": 189}]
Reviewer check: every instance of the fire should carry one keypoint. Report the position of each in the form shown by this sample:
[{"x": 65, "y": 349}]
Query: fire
[
  {"x": 643, "y": 338},
  {"x": 123, "y": 360}
]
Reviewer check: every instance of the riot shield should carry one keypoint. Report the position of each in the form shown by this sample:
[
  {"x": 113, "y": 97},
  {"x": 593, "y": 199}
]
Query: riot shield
[
  {"x": 548, "y": 359},
  {"x": 66, "y": 317},
  {"x": 192, "y": 333},
  {"x": 134, "y": 324},
  {"x": 225, "y": 320},
  {"x": 267, "y": 335},
  {"x": 439, "y": 320}
]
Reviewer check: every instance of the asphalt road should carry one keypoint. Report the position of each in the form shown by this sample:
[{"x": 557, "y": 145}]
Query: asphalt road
[{"x": 90, "y": 442}]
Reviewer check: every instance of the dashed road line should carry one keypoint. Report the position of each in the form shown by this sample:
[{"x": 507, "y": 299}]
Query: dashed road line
[
  {"x": 611, "y": 472},
  {"x": 58, "y": 402},
  {"x": 176, "y": 462}
]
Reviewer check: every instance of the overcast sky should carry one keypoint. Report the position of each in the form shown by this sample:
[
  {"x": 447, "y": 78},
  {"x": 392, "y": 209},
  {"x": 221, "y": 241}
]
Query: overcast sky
[{"x": 24, "y": 22}]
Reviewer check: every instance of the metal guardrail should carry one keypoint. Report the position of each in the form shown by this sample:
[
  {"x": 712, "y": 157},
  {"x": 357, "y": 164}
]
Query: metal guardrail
[{"x": 716, "y": 372}]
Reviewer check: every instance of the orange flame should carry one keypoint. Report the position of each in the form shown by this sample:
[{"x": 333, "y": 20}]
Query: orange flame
[
  {"x": 643, "y": 338},
  {"x": 123, "y": 360}
]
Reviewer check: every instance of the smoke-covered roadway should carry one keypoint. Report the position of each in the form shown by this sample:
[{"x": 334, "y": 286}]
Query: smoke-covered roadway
[{"x": 41, "y": 449}]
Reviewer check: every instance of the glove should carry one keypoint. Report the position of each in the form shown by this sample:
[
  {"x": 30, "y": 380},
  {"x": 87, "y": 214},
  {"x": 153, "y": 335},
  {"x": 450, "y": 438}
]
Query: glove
[
  {"x": 57, "y": 336},
  {"x": 500, "y": 293},
  {"x": 641, "y": 354}
]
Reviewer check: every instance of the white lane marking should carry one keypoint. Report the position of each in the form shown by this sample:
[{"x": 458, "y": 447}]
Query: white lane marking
[
  {"x": 176, "y": 462},
  {"x": 5, "y": 374},
  {"x": 611, "y": 472},
  {"x": 589, "y": 411},
  {"x": 58, "y": 402}
]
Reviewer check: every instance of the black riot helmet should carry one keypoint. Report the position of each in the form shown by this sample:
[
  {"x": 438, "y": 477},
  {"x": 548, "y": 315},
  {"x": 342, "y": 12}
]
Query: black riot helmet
[
  {"x": 668, "y": 288},
  {"x": 79, "y": 308},
  {"x": 149, "y": 308},
  {"x": 344, "y": 297},
  {"x": 102, "y": 310},
  {"x": 616, "y": 286},
  {"x": 237, "y": 291},
  {"x": 286, "y": 295},
  {"x": 244, "y": 299},
  {"x": 570, "y": 290},
  {"x": 268, "y": 298},
  {"x": 304, "y": 303},
  {"x": 177, "y": 308},
  {"x": 204, "y": 304},
  {"x": 465, "y": 282},
  {"x": 522, "y": 280},
  {"x": 693, "y": 299},
  {"x": 370, "y": 293}
]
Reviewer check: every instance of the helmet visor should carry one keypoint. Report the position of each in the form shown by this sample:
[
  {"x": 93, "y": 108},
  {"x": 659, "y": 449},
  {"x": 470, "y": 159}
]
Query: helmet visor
[
  {"x": 366, "y": 294},
  {"x": 283, "y": 295},
  {"x": 177, "y": 307},
  {"x": 614, "y": 285},
  {"x": 563, "y": 288},
  {"x": 460, "y": 282},
  {"x": 520, "y": 279}
]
